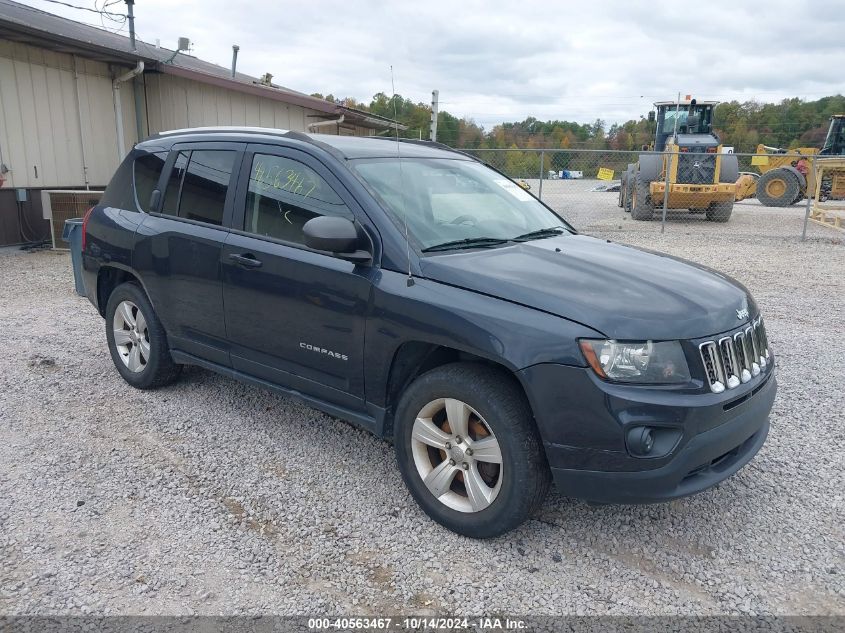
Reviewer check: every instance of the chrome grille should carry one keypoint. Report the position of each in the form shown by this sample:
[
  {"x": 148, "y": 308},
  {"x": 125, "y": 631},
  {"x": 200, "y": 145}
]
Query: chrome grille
[{"x": 733, "y": 360}]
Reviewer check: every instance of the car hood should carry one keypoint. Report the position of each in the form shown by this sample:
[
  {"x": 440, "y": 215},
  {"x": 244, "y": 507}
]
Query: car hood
[{"x": 621, "y": 291}]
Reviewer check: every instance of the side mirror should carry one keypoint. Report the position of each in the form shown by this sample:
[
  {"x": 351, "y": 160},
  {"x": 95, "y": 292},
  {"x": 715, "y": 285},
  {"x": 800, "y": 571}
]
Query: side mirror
[
  {"x": 335, "y": 235},
  {"x": 651, "y": 116}
]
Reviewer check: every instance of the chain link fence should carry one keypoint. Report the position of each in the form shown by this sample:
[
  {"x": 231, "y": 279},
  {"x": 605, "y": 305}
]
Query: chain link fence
[{"x": 608, "y": 191}]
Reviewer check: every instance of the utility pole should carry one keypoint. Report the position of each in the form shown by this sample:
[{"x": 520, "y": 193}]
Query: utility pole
[
  {"x": 131, "y": 17},
  {"x": 435, "y": 94}
]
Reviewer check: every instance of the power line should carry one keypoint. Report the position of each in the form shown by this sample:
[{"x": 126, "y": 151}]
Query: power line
[{"x": 89, "y": 9}]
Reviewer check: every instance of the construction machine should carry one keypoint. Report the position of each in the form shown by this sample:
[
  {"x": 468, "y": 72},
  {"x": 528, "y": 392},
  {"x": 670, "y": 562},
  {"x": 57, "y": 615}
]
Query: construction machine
[
  {"x": 786, "y": 176},
  {"x": 700, "y": 176}
]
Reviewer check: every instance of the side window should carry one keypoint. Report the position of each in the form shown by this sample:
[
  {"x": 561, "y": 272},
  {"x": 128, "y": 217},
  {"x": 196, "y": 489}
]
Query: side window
[
  {"x": 174, "y": 185},
  {"x": 198, "y": 183},
  {"x": 147, "y": 170},
  {"x": 283, "y": 195}
]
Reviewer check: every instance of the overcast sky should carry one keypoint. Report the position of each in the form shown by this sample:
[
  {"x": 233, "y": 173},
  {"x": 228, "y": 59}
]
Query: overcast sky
[{"x": 500, "y": 61}]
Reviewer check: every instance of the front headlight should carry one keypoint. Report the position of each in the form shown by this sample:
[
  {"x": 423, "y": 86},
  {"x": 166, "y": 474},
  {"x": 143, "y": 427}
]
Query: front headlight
[{"x": 644, "y": 361}]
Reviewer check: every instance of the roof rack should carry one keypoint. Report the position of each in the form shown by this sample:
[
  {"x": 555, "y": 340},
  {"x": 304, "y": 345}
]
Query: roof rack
[
  {"x": 218, "y": 129},
  {"x": 265, "y": 131}
]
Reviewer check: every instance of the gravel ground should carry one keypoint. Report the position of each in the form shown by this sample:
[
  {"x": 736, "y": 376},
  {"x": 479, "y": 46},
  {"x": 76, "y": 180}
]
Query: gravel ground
[{"x": 212, "y": 497}]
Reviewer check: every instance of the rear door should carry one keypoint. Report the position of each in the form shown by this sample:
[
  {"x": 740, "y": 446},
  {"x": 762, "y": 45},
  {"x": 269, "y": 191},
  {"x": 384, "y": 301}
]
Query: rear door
[
  {"x": 294, "y": 316},
  {"x": 180, "y": 243}
]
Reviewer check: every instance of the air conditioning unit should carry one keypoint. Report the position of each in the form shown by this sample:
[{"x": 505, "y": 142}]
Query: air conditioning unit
[{"x": 59, "y": 205}]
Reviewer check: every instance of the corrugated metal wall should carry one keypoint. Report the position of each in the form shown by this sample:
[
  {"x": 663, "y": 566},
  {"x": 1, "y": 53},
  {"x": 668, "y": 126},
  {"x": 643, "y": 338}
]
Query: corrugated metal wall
[
  {"x": 175, "y": 103},
  {"x": 41, "y": 138},
  {"x": 49, "y": 111}
]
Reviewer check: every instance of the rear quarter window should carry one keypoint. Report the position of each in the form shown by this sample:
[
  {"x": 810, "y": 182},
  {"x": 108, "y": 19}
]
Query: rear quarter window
[
  {"x": 147, "y": 170},
  {"x": 119, "y": 192}
]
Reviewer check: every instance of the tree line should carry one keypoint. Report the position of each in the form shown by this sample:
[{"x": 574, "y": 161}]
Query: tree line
[{"x": 788, "y": 124}]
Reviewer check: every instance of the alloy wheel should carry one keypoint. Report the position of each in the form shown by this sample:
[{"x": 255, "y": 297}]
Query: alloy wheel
[
  {"x": 457, "y": 455},
  {"x": 131, "y": 336}
]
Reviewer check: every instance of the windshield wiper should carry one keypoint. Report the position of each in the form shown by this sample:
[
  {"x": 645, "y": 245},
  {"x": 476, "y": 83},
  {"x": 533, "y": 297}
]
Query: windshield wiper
[
  {"x": 539, "y": 234},
  {"x": 468, "y": 242}
]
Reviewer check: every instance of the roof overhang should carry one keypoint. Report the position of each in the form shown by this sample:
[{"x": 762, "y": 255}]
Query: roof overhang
[
  {"x": 25, "y": 34},
  {"x": 684, "y": 102}
]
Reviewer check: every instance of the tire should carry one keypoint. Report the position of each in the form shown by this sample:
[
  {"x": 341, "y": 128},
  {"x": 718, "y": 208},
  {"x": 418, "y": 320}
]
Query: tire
[
  {"x": 720, "y": 211},
  {"x": 623, "y": 186},
  {"x": 509, "y": 488},
  {"x": 137, "y": 341},
  {"x": 620, "y": 201},
  {"x": 629, "y": 191},
  {"x": 778, "y": 188},
  {"x": 641, "y": 206}
]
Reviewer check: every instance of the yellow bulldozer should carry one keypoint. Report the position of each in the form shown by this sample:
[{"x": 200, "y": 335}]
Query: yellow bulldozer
[{"x": 787, "y": 176}]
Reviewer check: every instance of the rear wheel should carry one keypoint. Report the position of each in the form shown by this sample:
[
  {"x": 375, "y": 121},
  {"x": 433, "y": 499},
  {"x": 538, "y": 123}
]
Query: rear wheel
[
  {"x": 641, "y": 205},
  {"x": 629, "y": 192},
  {"x": 720, "y": 211},
  {"x": 136, "y": 339},
  {"x": 620, "y": 202},
  {"x": 623, "y": 187},
  {"x": 468, "y": 450},
  {"x": 778, "y": 188}
]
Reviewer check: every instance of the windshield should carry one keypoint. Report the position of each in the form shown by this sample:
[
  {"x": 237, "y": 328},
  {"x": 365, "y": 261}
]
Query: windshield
[
  {"x": 449, "y": 200},
  {"x": 835, "y": 141},
  {"x": 701, "y": 113}
]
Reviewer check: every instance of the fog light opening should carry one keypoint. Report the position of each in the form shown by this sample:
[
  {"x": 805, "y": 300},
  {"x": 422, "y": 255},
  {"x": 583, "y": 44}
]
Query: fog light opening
[{"x": 640, "y": 440}]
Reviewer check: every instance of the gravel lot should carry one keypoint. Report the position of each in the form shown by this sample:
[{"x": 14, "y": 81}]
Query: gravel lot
[{"x": 216, "y": 498}]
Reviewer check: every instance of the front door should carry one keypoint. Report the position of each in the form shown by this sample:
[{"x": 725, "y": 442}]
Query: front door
[{"x": 294, "y": 317}]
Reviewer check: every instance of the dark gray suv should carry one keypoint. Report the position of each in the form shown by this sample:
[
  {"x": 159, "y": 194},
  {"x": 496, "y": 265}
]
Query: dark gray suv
[{"x": 423, "y": 296}]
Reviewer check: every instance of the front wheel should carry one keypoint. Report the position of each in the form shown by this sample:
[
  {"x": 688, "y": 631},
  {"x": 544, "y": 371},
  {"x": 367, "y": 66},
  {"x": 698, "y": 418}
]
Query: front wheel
[
  {"x": 778, "y": 188},
  {"x": 468, "y": 450},
  {"x": 720, "y": 211}
]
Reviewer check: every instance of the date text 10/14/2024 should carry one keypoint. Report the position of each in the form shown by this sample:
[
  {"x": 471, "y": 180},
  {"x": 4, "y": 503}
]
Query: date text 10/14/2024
[{"x": 417, "y": 623}]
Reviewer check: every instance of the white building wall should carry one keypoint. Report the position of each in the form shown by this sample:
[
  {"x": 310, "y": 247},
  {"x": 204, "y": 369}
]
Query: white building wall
[{"x": 41, "y": 138}]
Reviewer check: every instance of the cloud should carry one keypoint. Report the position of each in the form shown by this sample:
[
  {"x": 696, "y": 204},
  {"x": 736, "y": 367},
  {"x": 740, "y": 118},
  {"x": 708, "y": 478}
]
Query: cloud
[{"x": 496, "y": 61}]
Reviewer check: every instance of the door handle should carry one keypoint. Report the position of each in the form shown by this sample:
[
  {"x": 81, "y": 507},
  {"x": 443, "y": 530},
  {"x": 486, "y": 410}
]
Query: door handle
[{"x": 247, "y": 260}]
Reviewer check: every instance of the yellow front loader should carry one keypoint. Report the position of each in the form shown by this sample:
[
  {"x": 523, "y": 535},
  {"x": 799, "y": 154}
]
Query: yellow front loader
[
  {"x": 786, "y": 176},
  {"x": 687, "y": 158}
]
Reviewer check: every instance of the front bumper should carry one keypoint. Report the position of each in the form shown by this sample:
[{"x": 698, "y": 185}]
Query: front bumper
[{"x": 585, "y": 445}]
